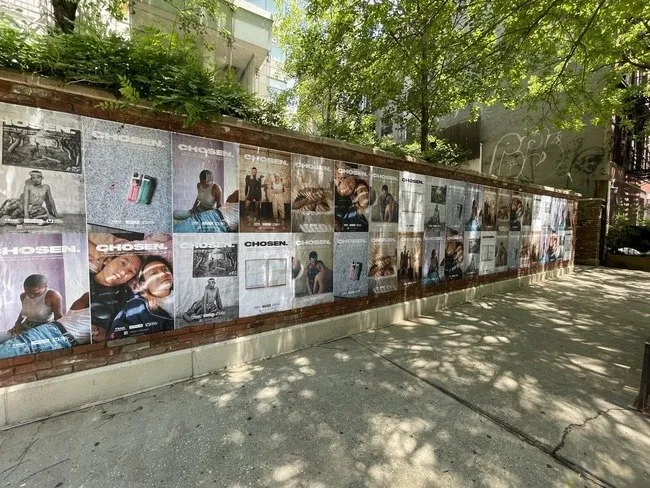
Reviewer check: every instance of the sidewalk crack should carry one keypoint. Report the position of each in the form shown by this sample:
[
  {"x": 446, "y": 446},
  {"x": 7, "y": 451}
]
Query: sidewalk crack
[{"x": 567, "y": 430}]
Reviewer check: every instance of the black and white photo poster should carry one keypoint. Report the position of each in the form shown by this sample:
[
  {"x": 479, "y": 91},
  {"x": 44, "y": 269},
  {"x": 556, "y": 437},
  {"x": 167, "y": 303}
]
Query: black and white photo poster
[
  {"x": 350, "y": 264},
  {"x": 206, "y": 278},
  {"x": 41, "y": 178}
]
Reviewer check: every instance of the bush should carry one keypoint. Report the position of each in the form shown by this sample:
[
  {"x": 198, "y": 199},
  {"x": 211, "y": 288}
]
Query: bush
[
  {"x": 163, "y": 69},
  {"x": 623, "y": 234}
]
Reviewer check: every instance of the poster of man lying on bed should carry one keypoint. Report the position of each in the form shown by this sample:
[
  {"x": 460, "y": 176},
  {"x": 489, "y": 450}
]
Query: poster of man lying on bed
[
  {"x": 204, "y": 185},
  {"x": 131, "y": 283},
  {"x": 44, "y": 293}
]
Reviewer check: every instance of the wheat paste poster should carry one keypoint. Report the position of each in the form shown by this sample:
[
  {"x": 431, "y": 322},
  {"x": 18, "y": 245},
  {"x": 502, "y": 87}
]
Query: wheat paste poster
[
  {"x": 131, "y": 283},
  {"x": 433, "y": 258},
  {"x": 411, "y": 202},
  {"x": 312, "y": 264},
  {"x": 350, "y": 264},
  {"x": 489, "y": 209},
  {"x": 383, "y": 262},
  {"x": 205, "y": 185},
  {"x": 503, "y": 210},
  {"x": 385, "y": 199},
  {"x": 409, "y": 249},
  {"x": 265, "y": 283},
  {"x": 488, "y": 252},
  {"x": 352, "y": 197},
  {"x": 264, "y": 190},
  {"x": 45, "y": 293},
  {"x": 456, "y": 211},
  {"x": 312, "y": 194},
  {"x": 435, "y": 204},
  {"x": 473, "y": 207},
  {"x": 514, "y": 249},
  {"x": 206, "y": 278},
  {"x": 128, "y": 177},
  {"x": 41, "y": 180},
  {"x": 471, "y": 259}
]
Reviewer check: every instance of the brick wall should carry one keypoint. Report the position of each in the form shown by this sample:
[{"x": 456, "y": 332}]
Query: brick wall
[
  {"x": 38, "y": 92},
  {"x": 589, "y": 231}
]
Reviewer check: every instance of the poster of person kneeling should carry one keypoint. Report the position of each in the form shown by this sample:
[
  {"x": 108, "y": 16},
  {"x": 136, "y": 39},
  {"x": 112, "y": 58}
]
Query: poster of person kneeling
[
  {"x": 131, "y": 283},
  {"x": 41, "y": 181},
  {"x": 206, "y": 278},
  {"x": 45, "y": 293},
  {"x": 204, "y": 185}
]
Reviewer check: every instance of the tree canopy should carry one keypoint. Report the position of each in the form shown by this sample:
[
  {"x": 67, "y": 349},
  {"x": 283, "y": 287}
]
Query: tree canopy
[{"x": 417, "y": 60}]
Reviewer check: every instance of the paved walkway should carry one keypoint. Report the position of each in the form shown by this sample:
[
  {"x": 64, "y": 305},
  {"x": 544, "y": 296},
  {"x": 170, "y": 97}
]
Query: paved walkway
[{"x": 527, "y": 389}]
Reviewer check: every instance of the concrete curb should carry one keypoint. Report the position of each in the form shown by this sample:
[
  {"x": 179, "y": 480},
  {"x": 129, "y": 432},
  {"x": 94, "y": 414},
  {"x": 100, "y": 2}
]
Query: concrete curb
[{"x": 28, "y": 402}]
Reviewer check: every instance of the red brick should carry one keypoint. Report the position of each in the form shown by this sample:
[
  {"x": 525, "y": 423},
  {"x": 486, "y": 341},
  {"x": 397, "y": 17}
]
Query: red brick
[
  {"x": 50, "y": 355},
  {"x": 18, "y": 361},
  {"x": 120, "y": 358},
  {"x": 177, "y": 332},
  {"x": 18, "y": 379},
  {"x": 89, "y": 363},
  {"x": 35, "y": 366},
  {"x": 152, "y": 351},
  {"x": 202, "y": 327},
  {"x": 6, "y": 372},
  {"x": 52, "y": 372},
  {"x": 177, "y": 346},
  {"x": 86, "y": 348}
]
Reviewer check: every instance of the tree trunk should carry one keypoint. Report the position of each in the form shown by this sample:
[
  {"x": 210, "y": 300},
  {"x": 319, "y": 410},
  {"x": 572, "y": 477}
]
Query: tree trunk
[
  {"x": 424, "y": 105},
  {"x": 65, "y": 14}
]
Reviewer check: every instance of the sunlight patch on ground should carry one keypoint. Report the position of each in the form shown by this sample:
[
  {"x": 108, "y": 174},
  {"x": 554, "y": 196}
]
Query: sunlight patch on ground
[
  {"x": 506, "y": 382},
  {"x": 341, "y": 356},
  {"x": 590, "y": 364},
  {"x": 284, "y": 473},
  {"x": 301, "y": 361}
]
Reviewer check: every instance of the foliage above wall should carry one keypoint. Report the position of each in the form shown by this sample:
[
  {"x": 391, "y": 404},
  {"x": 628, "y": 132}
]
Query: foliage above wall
[{"x": 162, "y": 69}]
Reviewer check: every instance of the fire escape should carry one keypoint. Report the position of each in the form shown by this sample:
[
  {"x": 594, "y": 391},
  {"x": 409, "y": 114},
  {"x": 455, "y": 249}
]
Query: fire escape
[{"x": 631, "y": 153}]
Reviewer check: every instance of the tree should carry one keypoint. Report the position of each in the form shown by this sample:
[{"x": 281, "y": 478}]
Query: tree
[
  {"x": 419, "y": 60},
  {"x": 399, "y": 57}
]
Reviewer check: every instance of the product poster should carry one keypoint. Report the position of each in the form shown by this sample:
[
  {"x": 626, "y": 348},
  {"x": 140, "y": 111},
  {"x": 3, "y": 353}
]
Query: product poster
[
  {"x": 206, "y": 278},
  {"x": 514, "y": 249},
  {"x": 472, "y": 255},
  {"x": 545, "y": 211},
  {"x": 524, "y": 256},
  {"x": 205, "y": 185},
  {"x": 516, "y": 211},
  {"x": 535, "y": 255},
  {"x": 312, "y": 194},
  {"x": 45, "y": 280},
  {"x": 384, "y": 199},
  {"x": 474, "y": 207},
  {"x": 456, "y": 212},
  {"x": 435, "y": 205},
  {"x": 264, "y": 190},
  {"x": 382, "y": 257},
  {"x": 568, "y": 245},
  {"x": 538, "y": 216},
  {"x": 454, "y": 256},
  {"x": 352, "y": 197},
  {"x": 554, "y": 215},
  {"x": 350, "y": 265},
  {"x": 131, "y": 284},
  {"x": 433, "y": 270},
  {"x": 489, "y": 208},
  {"x": 503, "y": 210},
  {"x": 501, "y": 253},
  {"x": 409, "y": 250},
  {"x": 312, "y": 264},
  {"x": 41, "y": 180},
  {"x": 265, "y": 283},
  {"x": 488, "y": 252},
  {"x": 527, "y": 217},
  {"x": 411, "y": 202},
  {"x": 128, "y": 176}
]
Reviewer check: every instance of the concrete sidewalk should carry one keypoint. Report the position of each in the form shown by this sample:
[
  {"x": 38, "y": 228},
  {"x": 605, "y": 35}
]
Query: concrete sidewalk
[{"x": 530, "y": 388}]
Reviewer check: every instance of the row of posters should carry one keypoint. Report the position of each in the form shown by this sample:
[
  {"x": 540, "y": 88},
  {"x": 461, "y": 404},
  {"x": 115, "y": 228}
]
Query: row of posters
[{"x": 111, "y": 230}]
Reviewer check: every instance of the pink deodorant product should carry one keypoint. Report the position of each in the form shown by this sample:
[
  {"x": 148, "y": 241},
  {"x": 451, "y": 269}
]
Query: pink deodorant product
[{"x": 134, "y": 188}]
